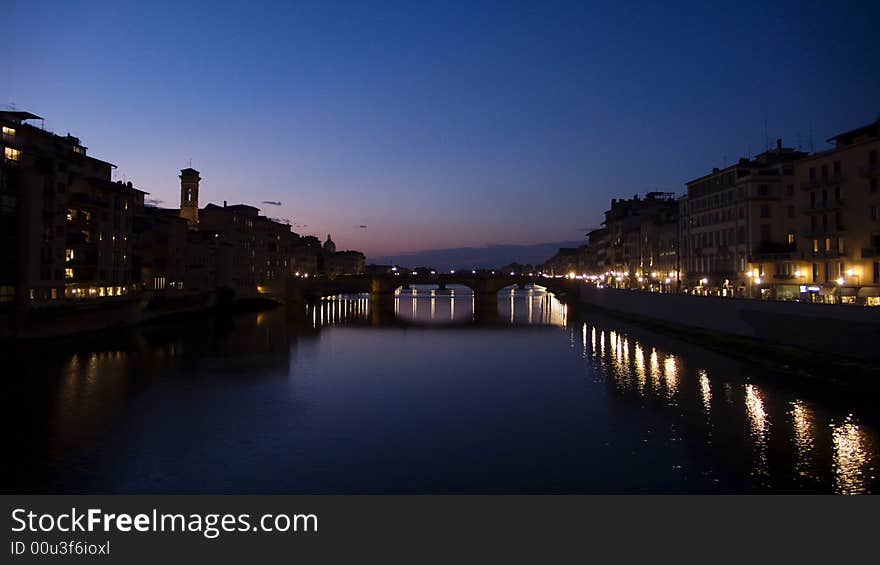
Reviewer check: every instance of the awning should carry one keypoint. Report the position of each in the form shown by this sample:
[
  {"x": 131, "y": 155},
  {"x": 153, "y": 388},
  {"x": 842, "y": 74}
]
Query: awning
[
  {"x": 867, "y": 291},
  {"x": 826, "y": 291},
  {"x": 846, "y": 291}
]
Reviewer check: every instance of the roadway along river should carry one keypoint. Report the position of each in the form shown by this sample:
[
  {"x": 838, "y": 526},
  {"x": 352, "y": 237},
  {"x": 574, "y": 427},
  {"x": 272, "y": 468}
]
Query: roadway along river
[{"x": 419, "y": 399}]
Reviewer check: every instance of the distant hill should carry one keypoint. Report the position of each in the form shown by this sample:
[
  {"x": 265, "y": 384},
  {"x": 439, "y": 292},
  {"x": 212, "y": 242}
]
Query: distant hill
[{"x": 489, "y": 257}]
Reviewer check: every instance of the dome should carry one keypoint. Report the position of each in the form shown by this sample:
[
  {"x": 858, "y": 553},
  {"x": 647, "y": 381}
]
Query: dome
[{"x": 329, "y": 246}]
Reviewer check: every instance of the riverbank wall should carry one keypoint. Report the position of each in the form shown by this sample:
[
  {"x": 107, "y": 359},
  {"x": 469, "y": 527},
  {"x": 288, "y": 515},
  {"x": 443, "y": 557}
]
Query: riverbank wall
[
  {"x": 837, "y": 330},
  {"x": 94, "y": 316}
]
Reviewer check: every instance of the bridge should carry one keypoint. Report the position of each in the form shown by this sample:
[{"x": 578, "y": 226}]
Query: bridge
[{"x": 382, "y": 288}]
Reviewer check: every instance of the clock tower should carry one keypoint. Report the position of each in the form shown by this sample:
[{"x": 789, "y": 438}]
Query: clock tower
[{"x": 189, "y": 196}]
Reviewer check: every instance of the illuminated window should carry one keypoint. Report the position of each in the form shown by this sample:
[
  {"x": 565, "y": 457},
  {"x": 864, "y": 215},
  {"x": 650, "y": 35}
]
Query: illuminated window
[
  {"x": 69, "y": 215},
  {"x": 68, "y": 273},
  {"x": 68, "y": 255},
  {"x": 7, "y": 293},
  {"x": 790, "y": 238},
  {"x": 54, "y": 294},
  {"x": 11, "y": 154},
  {"x": 827, "y": 244},
  {"x": 815, "y": 246},
  {"x": 8, "y": 131}
]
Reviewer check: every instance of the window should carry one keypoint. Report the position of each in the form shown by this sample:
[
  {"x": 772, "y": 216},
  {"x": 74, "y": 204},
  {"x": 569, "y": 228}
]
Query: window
[
  {"x": 837, "y": 193},
  {"x": 7, "y": 293},
  {"x": 790, "y": 238},
  {"x": 11, "y": 154},
  {"x": 836, "y": 167},
  {"x": 68, "y": 273},
  {"x": 765, "y": 232},
  {"x": 876, "y": 272},
  {"x": 68, "y": 255},
  {"x": 873, "y": 185},
  {"x": 765, "y": 211},
  {"x": 875, "y": 213},
  {"x": 827, "y": 244},
  {"x": 789, "y": 190},
  {"x": 8, "y": 131},
  {"x": 872, "y": 157},
  {"x": 763, "y": 190},
  {"x": 791, "y": 211},
  {"x": 815, "y": 272}
]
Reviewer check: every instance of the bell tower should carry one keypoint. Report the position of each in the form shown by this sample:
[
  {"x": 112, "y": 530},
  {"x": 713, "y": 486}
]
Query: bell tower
[{"x": 189, "y": 196}]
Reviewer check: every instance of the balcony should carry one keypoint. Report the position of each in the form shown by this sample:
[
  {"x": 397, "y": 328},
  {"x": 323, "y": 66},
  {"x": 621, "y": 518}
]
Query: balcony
[
  {"x": 833, "y": 254},
  {"x": 771, "y": 251},
  {"x": 870, "y": 171},
  {"x": 819, "y": 182},
  {"x": 823, "y": 232},
  {"x": 870, "y": 252},
  {"x": 828, "y": 206}
]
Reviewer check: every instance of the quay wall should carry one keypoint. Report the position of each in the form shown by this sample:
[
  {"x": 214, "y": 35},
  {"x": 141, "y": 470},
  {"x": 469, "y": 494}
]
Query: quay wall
[{"x": 841, "y": 330}]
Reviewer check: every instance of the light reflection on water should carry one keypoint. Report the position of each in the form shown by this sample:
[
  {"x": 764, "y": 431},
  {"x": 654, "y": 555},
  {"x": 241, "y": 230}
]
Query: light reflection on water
[
  {"x": 662, "y": 401},
  {"x": 847, "y": 458}
]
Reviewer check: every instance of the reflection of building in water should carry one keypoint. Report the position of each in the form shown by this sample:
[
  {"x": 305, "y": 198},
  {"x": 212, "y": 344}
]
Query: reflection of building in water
[
  {"x": 705, "y": 391},
  {"x": 806, "y": 458},
  {"x": 759, "y": 426},
  {"x": 341, "y": 309},
  {"x": 804, "y": 432},
  {"x": 852, "y": 455},
  {"x": 423, "y": 303}
]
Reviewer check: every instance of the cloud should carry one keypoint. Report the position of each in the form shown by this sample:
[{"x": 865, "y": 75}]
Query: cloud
[{"x": 272, "y": 202}]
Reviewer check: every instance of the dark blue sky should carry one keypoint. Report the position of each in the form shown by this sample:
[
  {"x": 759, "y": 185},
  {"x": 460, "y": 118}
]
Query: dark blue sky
[{"x": 438, "y": 125}]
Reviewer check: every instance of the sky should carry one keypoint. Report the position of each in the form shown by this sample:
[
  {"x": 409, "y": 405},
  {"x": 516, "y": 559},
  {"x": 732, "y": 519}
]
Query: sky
[{"x": 408, "y": 126}]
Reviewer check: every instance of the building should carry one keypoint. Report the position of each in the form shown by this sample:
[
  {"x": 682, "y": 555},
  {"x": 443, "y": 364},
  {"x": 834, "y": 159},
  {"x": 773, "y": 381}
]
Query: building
[
  {"x": 260, "y": 260},
  {"x": 566, "y": 262},
  {"x": 66, "y": 227},
  {"x": 161, "y": 249},
  {"x": 597, "y": 251},
  {"x": 658, "y": 247},
  {"x": 839, "y": 203},
  {"x": 630, "y": 258},
  {"x": 738, "y": 228},
  {"x": 304, "y": 253},
  {"x": 341, "y": 263}
]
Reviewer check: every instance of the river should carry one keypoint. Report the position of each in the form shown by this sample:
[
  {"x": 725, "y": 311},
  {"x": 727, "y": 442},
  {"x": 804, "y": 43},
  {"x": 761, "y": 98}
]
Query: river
[{"x": 421, "y": 399}]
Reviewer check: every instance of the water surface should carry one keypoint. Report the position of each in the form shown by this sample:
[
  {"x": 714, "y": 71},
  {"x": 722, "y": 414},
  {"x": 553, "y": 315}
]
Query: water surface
[{"x": 416, "y": 397}]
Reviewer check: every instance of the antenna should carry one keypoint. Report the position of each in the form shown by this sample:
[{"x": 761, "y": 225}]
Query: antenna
[{"x": 189, "y": 162}]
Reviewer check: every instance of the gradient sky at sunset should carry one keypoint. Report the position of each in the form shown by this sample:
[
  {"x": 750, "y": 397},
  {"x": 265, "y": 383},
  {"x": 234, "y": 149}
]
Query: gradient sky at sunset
[{"x": 444, "y": 124}]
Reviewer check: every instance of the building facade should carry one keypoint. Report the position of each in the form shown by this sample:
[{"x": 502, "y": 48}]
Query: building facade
[
  {"x": 738, "y": 228},
  {"x": 839, "y": 238},
  {"x": 66, "y": 227}
]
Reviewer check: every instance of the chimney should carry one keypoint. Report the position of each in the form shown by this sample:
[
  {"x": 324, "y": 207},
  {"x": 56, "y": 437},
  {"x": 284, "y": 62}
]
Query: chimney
[{"x": 224, "y": 204}]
